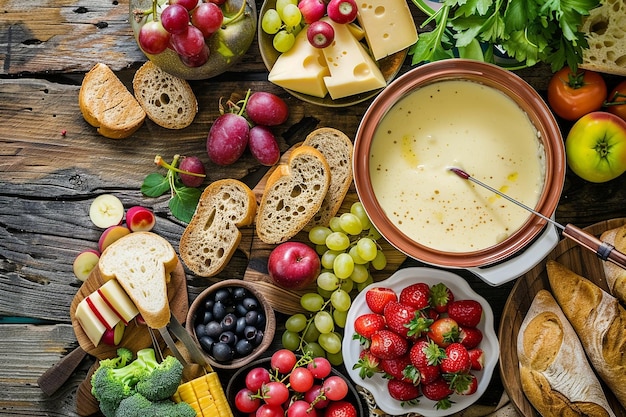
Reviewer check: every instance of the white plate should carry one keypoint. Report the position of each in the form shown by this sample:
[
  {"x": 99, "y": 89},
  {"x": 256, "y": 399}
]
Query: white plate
[{"x": 377, "y": 385}]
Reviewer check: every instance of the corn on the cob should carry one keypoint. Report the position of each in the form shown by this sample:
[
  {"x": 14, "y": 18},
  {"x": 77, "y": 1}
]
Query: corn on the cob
[{"x": 205, "y": 395}]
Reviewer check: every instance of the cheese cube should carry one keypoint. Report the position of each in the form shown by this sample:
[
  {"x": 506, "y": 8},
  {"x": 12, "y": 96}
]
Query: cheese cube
[
  {"x": 116, "y": 298},
  {"x": 101, "y": 309},
  {"x": 388, "y": 24},
  {"x": 92, "y": 326}
]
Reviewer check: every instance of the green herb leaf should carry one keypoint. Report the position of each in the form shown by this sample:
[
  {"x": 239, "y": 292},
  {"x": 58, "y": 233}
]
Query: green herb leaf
[
  {"x": 155, "y": 185},
  {"x": 183, "y": 204}
]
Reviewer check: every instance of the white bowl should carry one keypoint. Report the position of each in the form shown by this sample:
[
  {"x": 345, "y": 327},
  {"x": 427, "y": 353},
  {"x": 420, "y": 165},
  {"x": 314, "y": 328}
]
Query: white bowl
[{"x": 377, "y": 385}]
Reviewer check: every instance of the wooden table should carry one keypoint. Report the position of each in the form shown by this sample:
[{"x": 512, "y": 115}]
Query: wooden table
[{"x": 52, "y": 165}]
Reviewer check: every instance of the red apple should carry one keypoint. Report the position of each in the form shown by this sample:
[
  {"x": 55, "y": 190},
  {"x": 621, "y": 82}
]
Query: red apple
[
  {"x": 320, "y": 34},
  {"x": 84, "y": 263},
  {"x": 114, "y": 336},
  {"x": 342, "y": 11},
  {"x": 312, "y": 10},
  {"x": 293, "y": 265},
  {"x": 140, "y": 219},
  {"x": 110, "y": 235}
]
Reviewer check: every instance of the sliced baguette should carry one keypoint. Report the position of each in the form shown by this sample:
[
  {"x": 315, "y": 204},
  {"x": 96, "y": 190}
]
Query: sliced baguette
[
  {"x": 142, "y": 262},
  {"x": 106, "y": 104},
  {"x": 615, "y": 275},
  {"x": 605, "y": 31},
  {"x": 212, "y": 236},
  {"x": 168, "y": 101},
  {"x": 293, "y": 194},
  {"x": 337, "y": 149}
]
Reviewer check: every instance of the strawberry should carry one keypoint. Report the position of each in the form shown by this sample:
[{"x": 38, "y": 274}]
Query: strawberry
[
  {"x": 398, "y": 317},
  {"x": 386, "y": 344},
  {"x": 444, "y": 331},
  {"x": 470, "y": 388},
  {"x": 470, "y": 337},
  {"x": 425, "y": 352},
  {"x": 477, "y": 359},
  {"x": 367, "y": 364},
  {"x": 377, "y": 298},
  {"x": 366, "y": 324},
  {"x": 419, "y": 325},
  {"x": 440, "y": 296},
  {"x": 457, "y": 360},
  {"x": 429, "y": 373},
  {"x": 465, "y": 312},
  {"x": 403, "y": 391},
  {"x": 394, "y": 368},
  {"x": 340, "y": 408},
  {"x": 439, "y": 391},
  {"x": 416, "y": 295}
]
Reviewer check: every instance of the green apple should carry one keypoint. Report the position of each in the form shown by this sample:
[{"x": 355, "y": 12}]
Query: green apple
[{"x": 596, "y": 147}]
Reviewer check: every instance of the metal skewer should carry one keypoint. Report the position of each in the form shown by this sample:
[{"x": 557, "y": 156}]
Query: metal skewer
[{"x": 603, "y": 250}]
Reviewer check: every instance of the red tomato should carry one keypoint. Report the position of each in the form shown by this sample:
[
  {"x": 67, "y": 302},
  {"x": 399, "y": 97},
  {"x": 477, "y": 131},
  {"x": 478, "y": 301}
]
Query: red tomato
[
  {"x": 571, "y": 96},
  {"x": 617, "y": 96}
]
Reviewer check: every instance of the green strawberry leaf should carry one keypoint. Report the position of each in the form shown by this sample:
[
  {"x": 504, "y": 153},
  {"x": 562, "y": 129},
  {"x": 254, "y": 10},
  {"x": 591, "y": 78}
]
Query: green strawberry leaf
[{"x": 155, "y": 185}]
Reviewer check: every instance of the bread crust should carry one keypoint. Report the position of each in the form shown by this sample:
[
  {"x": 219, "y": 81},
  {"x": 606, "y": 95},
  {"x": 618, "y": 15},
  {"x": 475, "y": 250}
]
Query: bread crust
[{"x": 615, "y": 275}]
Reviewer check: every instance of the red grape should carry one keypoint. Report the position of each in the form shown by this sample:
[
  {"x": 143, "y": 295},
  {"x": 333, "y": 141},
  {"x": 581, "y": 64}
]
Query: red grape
[
  {"x": 227, "y": 139},
  {"x": 275, "y": 393},
  {"x": 342, "y": 11},
  {"x": 283, "y": 360},
  {"x": 218, "y": 2},
  {"x": 301, "y": 379},
  {"x": 315, "y": 397},
  {"x": 153, "y": 38},
  {"x": 189, "y": 43},
  {"x": 301, "y": 408},
  {"x": 175, "y": 19},
  {"x": 245, "y": 401},
  {"x": 267, "y": 109},
  {"x": 194, "y": 165},
  {"x": 187, "y": 4},
  {"x": 256, "y": 378},
  {"x": 320, "y": 34},
  {"x": 207, "y": 17},
  {"x": 263, "y": 145},
  {"x": 196, "y": 60},
  {"x": 266, "y": 410},
  {"x": 335, "y": 388},
  {"x": 320, "y": 367}
]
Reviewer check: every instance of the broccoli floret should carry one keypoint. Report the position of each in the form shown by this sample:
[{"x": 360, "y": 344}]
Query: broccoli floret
[
  {"x": 163, "y": 381},
  {"x": 139, "y": 406},
  {"x": 134, "y": 406}
]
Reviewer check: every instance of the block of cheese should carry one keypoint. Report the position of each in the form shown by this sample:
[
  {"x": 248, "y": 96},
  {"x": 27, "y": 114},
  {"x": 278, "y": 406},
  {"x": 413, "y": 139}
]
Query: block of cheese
[
  {"x": 352, "y": 69},
  {"x": 388, "y": 24},
  {"x": 301, "y": 69},
  {"x": 92, "y": 326},
  {"x": 101, "y": 309},
  {"x": 116, "y": 298}
]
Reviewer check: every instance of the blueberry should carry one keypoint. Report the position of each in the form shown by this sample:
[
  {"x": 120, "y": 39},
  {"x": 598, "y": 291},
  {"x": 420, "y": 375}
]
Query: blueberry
[
  {"x": 240, "y": 309},
  {"x": 243, "y": 347},
  {"x": 219, "y": 310},
  {"x": 251, "y": 317},
  {"x": 228, "y": 337},
  {"x": 258, "y": 338},
  {"x": 208, "y": 304},
  {"x": 260, "y": 322},
  {"x": 223, "y": 295},
  {"x": 241, "y": 324},
  {"x": 250, "y": 303},
  {"x": 222, "y": 352},
  {"x": 213, "y": 329},
  {"x": 208, "y": 316},
  {"x": 239, "y": 293},
  {"x": 200, "y": 330},
  {"x": 207, "y": 343},
  {"x": 250, "y": 332},
  {"x": 229, "y": 322}
]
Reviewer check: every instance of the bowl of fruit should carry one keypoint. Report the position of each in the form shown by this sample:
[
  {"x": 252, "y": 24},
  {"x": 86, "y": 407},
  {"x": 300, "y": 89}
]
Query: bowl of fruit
[
  {"x": 424, "y": 343},
  {"x": 194, "y": 39},
  {"x": 285, "y": 384},
  {"x": 232, "y": 322}
]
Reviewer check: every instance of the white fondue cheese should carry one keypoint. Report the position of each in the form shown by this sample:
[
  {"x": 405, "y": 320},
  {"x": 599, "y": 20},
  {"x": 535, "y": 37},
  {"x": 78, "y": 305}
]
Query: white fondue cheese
[
  {"x": 352, "y": 69},
  {"x": 388, "y": 24},
  {"x": 470, "y": 126},
  {"x": 301, "y": 69}
]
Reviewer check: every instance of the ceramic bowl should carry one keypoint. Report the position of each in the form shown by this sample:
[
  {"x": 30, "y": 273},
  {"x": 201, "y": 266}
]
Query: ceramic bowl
[
  {"x": 351, "y": 348},
  {"x": 196, "y": 315}
]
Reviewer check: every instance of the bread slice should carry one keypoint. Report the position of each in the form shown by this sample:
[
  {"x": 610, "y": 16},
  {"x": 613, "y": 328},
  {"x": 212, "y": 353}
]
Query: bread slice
[
  {"x": 599, "y": 321},
  {"x": 554, "y": 372},
  {"x": 336, "y": 147},
  {"x": 142, "y": 262},
  {"x": 293, "y": 195},
  {"x": 168, "y": 101},
  {"x": 106, "y": 104},
  {"x": 212, "y": 236},
  {"x": 605, "y": 32},
  {"x": 615, "y": 275}
]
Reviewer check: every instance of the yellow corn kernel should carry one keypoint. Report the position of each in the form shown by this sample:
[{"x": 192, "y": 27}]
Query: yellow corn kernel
[
  {"x": 206, "y": 395},
  {"x": 217, "y": 392}
]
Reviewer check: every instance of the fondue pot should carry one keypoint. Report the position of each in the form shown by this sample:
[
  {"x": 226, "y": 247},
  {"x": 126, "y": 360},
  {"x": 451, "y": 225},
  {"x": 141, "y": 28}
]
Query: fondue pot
[{"x": 521, "y": 249}]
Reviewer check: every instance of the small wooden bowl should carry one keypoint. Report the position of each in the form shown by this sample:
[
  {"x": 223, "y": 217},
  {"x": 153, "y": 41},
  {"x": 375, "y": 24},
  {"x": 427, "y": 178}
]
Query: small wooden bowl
[{"x": 268, "y": 333}]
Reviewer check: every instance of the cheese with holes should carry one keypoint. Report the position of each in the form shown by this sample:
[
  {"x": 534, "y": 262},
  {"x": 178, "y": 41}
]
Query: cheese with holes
[
  {"x": 388, "y": 24},
  {"x": 301, "y": 69},
  {"x": 352, "y": 69},
  {"x": 116, "y": 298},
  {"x": 91, "y": 325}
]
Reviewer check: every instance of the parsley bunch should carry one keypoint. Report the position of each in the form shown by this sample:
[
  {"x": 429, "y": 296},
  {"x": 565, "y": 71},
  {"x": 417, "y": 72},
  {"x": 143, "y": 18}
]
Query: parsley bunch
[{"x": 530, "y": 31}]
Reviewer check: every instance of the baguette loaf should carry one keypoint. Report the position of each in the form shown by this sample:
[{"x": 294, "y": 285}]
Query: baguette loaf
[
  {"x": 598, "y": 319},
  {"x": 555, "y": 375},
  {"x": 212, "y": 236},
  {"x": 605, "y": 32},
  {"x": 293, "y": 194},
  {"x": 167, "y": 100},
  {"x": 107, "y": 105},
  {"x": 337, "y": 149},
  {"x": 142, "y": 262},
  {"x": 615, "y": 275}
]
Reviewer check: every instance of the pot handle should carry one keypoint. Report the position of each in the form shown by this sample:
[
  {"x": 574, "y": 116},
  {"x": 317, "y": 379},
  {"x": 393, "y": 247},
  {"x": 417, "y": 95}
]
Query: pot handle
[{"x": 518, "y": 265}]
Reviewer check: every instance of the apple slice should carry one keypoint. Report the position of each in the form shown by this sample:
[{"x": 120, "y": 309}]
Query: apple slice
[
  {"x": 106, "y": 210},
  {"x": 114, "y": 336},
  {"x": 110, "y": 235},
  {"x": 84, "y": 263},
  {"x": 117, "y": 299},
  {"x": 93, "y": 328},
  {"x": 140, "y": 219}
]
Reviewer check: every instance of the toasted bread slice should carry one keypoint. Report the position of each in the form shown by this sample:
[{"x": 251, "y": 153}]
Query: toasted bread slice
[
  {"x": 293, "y": 195},
  {"x": 106, "y": 104},
  {"x": 212, "y": 236},
  {"x": 168, "y": 101}
]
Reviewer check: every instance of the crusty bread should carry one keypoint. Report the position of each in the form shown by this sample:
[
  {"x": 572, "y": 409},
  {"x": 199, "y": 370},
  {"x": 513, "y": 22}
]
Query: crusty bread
[
  {"x": 142, "y": 262},
  {"x": 337, "y": 149},
  {"x": 293, "y": 194},
  {"x": 599, "y": 321},
  {"x": 212, "y": 236},
  {"x": 615, "y": 275},
  {"x": 554, "y": 372},
  {"x": 106, "y": 104},
  {"x": 605, "y": 31},
  {"x": 168, "y": 101}
]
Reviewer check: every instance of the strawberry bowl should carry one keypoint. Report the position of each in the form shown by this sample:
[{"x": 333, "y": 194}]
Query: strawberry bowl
[{"x": 378, "y": 383}]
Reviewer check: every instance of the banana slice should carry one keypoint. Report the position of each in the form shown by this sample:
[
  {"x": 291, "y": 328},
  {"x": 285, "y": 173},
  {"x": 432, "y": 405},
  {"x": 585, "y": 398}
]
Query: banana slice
[{"x": 106, "y": 210}]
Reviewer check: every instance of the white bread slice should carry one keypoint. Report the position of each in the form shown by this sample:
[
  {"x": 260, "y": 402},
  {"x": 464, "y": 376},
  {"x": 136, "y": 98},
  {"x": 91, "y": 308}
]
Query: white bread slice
[
  {"x": 293, "y": 194},
  {"x": 337, "y": 148},
  {"x": 142, "y": 262},
  {"x": 168, "y": 101},
  {"x": 615, "y": 275},
  {"x": 212, "y": 236},
  {"x": 605, "y": 32},
  {"x": 106, "y": 104},
  {"x": 554, "y": 372}
]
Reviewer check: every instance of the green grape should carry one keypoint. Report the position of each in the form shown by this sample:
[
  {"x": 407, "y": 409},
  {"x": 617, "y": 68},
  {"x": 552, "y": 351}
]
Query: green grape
[
  {"x": 311, "y": 301},
  {"x": 271, "y": 22},
  {"x": 350, "y": 224},
  {"x": 367, "y": 282},
  {"x": 327, "y": 281},
  {"x": 374, "y": 234},
  {"x": 328, "y": 258},
  {"x": 324, "y": 293},
  {"x": 314, "y": 350},
  {"x": 340, "y": 318},
  {"x": 380, "y": 261},
  {"x": 343, "y": 265},
  {"x": 360, "y": 274},
  {"x": 366, "y": 248},
  {"x": 296, "y": 323},
  {"x": 358, "y": 210},
  {"x": 346, "y": 284},
  {"x": 318, "y": 234},
  {"x": 283, "y": 41},
  {"x": 291, "y": 15},
  {"x": 320, "y": 249},
  {"x": 341, "y": 300},
  {"x": 290, "y": 340},
  {"x": 280, "y": 4},
  {"x": 311, "y": 334},
  {"x": 338, "y": 241},
  {"x": 334, "y": 224},
  {"x": 324, "y": 322},
  {"x": 354, "y": 252},
  {"x": 335, "y": 359},
  {"x": 330, "y": 342}
]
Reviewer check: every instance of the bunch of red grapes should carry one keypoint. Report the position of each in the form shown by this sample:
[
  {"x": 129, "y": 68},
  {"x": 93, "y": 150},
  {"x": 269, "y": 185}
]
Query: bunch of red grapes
[{"x": 184, "y": 26}]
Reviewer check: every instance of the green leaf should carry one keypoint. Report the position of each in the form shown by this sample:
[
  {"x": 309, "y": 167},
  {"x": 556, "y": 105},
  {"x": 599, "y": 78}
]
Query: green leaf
[
  {"x": 155, "y": 185},
  {"x": 183, "y": 204}
]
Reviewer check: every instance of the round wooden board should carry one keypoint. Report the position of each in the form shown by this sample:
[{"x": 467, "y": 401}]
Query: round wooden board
[{"x": 579, "y": 260}]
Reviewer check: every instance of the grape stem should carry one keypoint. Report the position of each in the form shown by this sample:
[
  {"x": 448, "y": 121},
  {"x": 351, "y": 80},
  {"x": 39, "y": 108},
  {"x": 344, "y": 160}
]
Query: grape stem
[
  {"x": 160, "y": 162},
  {"x": 230, "y": 19}
]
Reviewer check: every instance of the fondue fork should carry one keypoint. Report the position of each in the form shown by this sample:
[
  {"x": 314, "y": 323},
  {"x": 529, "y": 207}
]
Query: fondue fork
[{"x": 603, "y": 250}]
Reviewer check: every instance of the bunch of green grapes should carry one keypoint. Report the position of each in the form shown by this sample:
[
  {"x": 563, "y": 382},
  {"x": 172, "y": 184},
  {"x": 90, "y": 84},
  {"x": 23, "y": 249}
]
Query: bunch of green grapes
[
  {"x": 348, "y": 250},
  {"x": 284, "y": 22}
]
